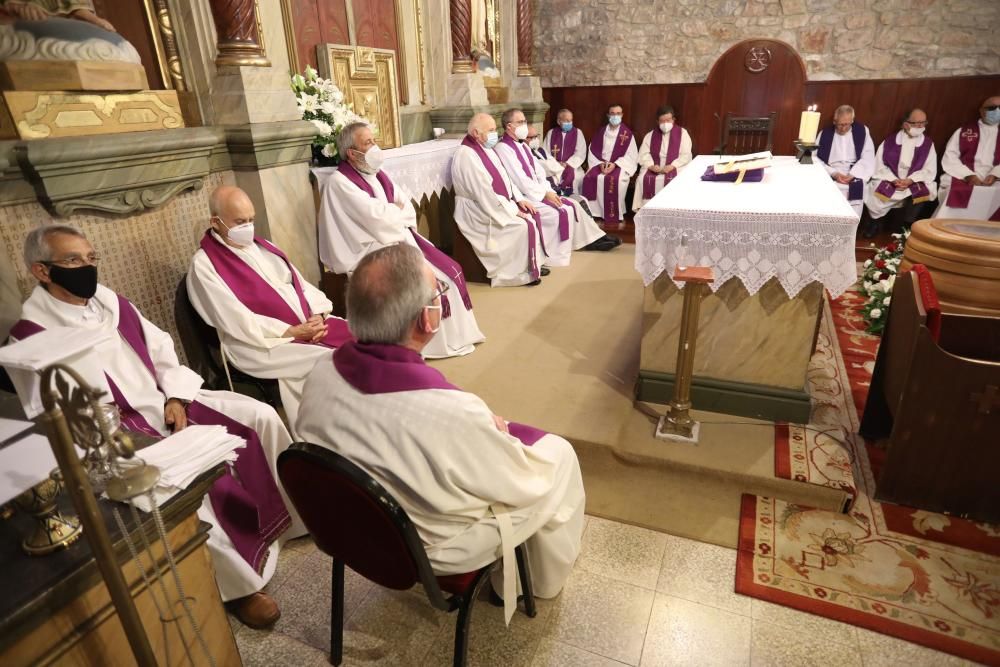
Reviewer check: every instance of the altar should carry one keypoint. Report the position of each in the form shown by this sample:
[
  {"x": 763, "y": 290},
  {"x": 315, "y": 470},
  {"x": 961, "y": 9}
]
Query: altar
[{"x": 774, "y": 247}]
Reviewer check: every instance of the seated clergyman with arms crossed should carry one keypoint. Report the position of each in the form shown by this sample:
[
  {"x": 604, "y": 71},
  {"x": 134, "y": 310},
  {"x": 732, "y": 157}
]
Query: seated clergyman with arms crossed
[{"x": 474, "y": 485}]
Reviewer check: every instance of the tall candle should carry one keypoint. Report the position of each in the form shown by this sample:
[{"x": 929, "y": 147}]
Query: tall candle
[{"x": 809, "y": 126}]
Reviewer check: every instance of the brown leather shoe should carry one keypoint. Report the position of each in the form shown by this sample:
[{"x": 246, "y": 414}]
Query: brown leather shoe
[{"x": 257, "y": 611}]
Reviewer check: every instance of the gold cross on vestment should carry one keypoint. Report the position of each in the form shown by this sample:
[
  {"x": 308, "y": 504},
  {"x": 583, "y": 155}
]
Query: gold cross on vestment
[{"x": 989, "y": 397}]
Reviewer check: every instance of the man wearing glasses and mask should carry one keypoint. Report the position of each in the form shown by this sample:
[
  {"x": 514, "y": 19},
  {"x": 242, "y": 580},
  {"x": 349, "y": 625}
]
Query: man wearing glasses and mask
[
  {"x": 971, "y": 164},
  {"x": 905, "y": 173},
  {"x": 155, "y": 395},
  {"x": 474, "y": 484}
]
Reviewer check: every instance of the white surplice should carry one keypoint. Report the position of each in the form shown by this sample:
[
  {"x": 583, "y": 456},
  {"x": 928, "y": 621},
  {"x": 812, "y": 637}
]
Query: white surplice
[
  {"x": 576, "y": 160},
  {"x": 582, "y": 228},
  {"x": 353, "y": 224},
  {"x": 440, "y": 454},
  {"x": 844, "y": 159},
  {"x": 548, "y": 164},
  {"x": 257, "y": 344},
  {"x": 629, "y": 163},
  {"x": 877, "y": 208},
  {"x": 490, "y": 221},
  {"x": 235, "y": 577},
  {"x": 646, "y": 161},
  {"x": 985, "y": 199}
]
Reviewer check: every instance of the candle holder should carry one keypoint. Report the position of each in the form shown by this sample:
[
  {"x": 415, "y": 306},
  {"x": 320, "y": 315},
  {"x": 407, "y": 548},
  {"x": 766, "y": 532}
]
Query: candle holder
[{"x": 804, "y": 151}]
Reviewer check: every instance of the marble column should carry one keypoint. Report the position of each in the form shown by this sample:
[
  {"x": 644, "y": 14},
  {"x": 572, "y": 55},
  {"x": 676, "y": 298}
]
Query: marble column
[{"x": 461, "y": 35}]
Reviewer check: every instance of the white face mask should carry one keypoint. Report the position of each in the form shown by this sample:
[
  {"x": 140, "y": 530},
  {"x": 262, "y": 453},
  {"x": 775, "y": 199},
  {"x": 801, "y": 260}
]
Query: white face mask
[
  {"x": 916, "y": 131},
  {"x": 521, "y": 132},
  {"x": 241, "y": 235},
  {"x": 666, "y": 127},
  {"x": 535, "y": 144},
  {"x": 374, "y": 158},
  {"x": 491, "y": 140}
]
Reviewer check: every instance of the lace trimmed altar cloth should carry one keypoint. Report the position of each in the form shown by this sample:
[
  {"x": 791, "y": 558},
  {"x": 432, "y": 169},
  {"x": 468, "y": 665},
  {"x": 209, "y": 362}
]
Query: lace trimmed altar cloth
[
  {"x": 421, "y": 169},
  {"x": 794, "y": 225}
]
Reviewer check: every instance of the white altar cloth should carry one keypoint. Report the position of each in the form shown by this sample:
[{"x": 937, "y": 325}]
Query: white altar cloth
[
  {"x": 795, "y": 225},
  {"x": 421, "y": 169}
]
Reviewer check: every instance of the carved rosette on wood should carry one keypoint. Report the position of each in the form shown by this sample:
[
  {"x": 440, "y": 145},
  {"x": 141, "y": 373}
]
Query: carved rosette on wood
[
  {"x": 240, "y": 40},
  {"x": 461, "y": 35},
  {"x": 525, "y": 47}
]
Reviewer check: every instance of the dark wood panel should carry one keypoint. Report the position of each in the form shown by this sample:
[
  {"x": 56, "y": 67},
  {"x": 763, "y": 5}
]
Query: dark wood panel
[
  {"x": 375, "y": 26},
  {"x": 129, "y": 19},
  {"x": 318, "y": 22}
]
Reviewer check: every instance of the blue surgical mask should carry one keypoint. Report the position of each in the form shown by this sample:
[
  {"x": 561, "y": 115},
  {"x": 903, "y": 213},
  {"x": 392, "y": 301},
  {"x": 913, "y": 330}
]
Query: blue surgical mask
[
  {"x": 566, "y": 127},
  {"x": 615, "y": 120},
  {"x": 492, "y": 139},
  {"x": 993, "y": 116}
]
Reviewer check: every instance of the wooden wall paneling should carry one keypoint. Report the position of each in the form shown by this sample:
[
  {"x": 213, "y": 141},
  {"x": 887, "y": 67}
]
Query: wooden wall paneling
[
  {"x": 129, "y": 19},
  {"x": 375, "y": 26},
  {"x": 306, "y": 25}
]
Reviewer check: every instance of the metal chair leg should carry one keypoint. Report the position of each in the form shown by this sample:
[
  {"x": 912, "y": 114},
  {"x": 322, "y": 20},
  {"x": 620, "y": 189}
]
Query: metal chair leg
[
  {"x": 521, "y": 552},
  {"x": 465, "y": 617},
  {"x": 337, "y": 613}
]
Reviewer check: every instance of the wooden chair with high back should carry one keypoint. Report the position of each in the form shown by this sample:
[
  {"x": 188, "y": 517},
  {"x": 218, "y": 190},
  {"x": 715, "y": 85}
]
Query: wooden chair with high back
[{"x": 746, "y": 134}]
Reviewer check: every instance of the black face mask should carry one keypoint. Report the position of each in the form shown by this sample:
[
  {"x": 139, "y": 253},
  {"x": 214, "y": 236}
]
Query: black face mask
[{"x": 81, "y": 281}]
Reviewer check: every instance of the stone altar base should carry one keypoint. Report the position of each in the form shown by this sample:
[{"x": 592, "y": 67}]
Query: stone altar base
[
  {"x": 752, "y": 351},
  {"x": 50, "y": 114}
]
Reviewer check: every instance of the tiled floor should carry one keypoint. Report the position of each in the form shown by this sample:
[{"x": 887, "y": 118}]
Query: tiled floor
[{"x": 636, "y": 597}]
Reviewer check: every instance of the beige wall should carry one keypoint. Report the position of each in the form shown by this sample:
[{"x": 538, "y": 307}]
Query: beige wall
[{"x": 609, "y": 42}]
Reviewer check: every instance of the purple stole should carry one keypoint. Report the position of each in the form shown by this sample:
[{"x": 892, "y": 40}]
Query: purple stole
[
  {"x": 560, "y": 144},
  {"x": 589, "y": 188},
  {"x": 749, "y": 176},
  {"x": 968, "y": 144},
  {"x": 500, "y": 189},
  {"x": 373, "y": 368},
  {"x": 855, "y": 189},
  {"x": 891, "y": 151},
  {"x": 527, "y": 161},
  {"x": 673, "y": 150},
  {"x": 248, "y": 505},
  {"x": 259, "y": 296},
  {"x": 437, "y": 259}
]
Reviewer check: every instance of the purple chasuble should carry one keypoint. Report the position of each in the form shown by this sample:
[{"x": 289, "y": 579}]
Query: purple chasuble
[
  {"x": 856, "y": 188},
  {"x": 500, "y": 189},
  {"x": 968, "y": 144},
  {"x": 673, "y": 150},
  {"x": 891, "y": 150},
  {"x": 248, "y": 505},
  {"x": 260, "y": 297},
  {"x": 437, "y": 259},
  {"x": 527, "y": 162},
  {"x": 373, "y": 368},
  {"x": 562, "y": 145},
  {"x": 589, "y": 187}
]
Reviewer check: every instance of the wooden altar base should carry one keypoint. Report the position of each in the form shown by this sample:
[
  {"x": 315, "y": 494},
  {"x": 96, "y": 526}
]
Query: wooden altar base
[{"x": 564, "y": 356}]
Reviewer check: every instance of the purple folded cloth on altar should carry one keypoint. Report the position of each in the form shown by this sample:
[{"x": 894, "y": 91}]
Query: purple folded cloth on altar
[{"x": 752, "y": 175}]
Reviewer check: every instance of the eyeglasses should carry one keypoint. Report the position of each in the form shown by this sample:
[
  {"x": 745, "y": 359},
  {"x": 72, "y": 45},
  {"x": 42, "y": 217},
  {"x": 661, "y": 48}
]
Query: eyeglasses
[
  {"x": 442, "y": 288},
  {"x": 917, "y": 123},
  {"x": 74, "y": 262},
  {"x": 992, "y": 107},
  {"x": 531, "y": 136}
]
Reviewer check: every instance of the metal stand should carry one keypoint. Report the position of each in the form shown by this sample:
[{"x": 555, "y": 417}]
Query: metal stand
[
  {"x": 804, "y": 152},
  {"x": 677, "y": 424}
]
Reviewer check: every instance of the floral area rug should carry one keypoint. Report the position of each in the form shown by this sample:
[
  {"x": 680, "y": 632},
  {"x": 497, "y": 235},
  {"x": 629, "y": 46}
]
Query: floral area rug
[{"x": 924, "y": 577}]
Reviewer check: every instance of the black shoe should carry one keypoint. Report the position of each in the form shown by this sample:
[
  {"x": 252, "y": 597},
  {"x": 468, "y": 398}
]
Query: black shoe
[
  {"x": 545, "y": 271},
  {"x": 869, "y": 229},
  {"x": 616, "y": 239},
  {"x": 603, "y": 244},
  {"x": 536, "y": 281}
]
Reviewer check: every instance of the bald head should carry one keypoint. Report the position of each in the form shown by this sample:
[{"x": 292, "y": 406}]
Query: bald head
[
  {"x": 480, "y": 127},
  {"x": 230, "y": 207}
]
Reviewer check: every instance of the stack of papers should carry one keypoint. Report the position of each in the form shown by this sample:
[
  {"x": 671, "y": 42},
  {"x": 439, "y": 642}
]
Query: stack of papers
[{"x": 184, "y": 456}]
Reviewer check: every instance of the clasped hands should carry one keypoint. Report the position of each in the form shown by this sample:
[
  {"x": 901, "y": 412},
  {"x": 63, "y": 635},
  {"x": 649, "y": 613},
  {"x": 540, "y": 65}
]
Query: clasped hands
[
  {"x": 902, "y": 183},
  {"x": 843, "y": 179},
  {"x": 666, "y": 169},
  {"x": 527, "y": 209},
  {"x": 975, "y": 180},
  {"x": 607, "y": 167},
  {"x": 312, "y": 330}
]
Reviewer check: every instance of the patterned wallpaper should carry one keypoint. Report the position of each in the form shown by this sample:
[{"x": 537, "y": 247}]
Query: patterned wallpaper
[{"x": 143, "y": 256}]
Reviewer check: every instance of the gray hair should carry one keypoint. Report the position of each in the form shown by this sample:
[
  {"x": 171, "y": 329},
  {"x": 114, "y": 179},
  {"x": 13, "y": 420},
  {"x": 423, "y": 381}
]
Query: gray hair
[
  {"x": 508, "y": 116},
  {"x": 386, "y": 294},
  {"x": 562, "y": 111},
  {"x": 345, "y": 140},
  {"x": 844, "y": 110},
  {"x": 36, "y": 243}
]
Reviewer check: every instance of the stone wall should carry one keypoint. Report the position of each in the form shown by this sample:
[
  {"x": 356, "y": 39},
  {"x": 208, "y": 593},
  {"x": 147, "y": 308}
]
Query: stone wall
[{"x": 607, "y": 42}]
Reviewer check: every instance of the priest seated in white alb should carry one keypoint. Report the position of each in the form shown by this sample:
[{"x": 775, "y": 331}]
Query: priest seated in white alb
[
  {"x": 272, "y": 323},
  {"x": 156, "y": 395},
  {"x": 848, "y": 154},
  {"x": 663, "y": 153},
  {"x": 905, "y": 172},
  {"x": 501, "y": 225},
  {"x": 970, "y": 185},
  {"x": 366, "y": 211},
  {"x": 612, "y": 160},
  {"x": 475, "y": 485},
  {"x": 550, "y": 166},
  {"x": 566, "y": 144},
  {"x": 565, "y": 225}
]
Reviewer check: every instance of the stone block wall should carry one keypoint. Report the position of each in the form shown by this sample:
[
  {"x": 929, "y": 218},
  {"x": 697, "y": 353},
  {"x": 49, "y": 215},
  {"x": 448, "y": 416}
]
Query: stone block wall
[{"x": 609, "y": 42}]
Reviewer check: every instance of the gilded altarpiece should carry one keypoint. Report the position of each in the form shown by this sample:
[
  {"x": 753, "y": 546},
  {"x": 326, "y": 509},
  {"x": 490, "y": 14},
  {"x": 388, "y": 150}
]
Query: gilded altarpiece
[{"x": 368, "y": 80}]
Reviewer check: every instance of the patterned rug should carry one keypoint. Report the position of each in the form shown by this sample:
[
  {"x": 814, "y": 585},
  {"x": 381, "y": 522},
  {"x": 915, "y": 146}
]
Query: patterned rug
[{"x": 924, "y": 577}]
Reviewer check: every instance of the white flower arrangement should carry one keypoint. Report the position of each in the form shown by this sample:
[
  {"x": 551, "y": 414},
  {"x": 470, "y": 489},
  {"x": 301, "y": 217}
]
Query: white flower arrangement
[
  {"x": 321, "y": 102},
  {"x": 879, "y": 276}
]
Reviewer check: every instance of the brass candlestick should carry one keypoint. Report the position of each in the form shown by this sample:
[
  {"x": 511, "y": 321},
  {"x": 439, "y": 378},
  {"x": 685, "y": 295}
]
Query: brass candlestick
[{"x": 677, "y": 424}]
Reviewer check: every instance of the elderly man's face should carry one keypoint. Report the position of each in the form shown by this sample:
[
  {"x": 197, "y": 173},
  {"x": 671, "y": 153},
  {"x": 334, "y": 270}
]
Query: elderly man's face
[
  {"x": 68, "y": 252},
  {"x": 991, "y": 104},
  {"x": 237, "y": 210},
  {"x": 486, "y": 126},
  {"x": 364, "y": 139},
  {"x": 565, "y": 117},
  {"x": 917, "y": 118},
  {"x": 532, "y": 134},
  {"x": 843, "y": 123}
]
